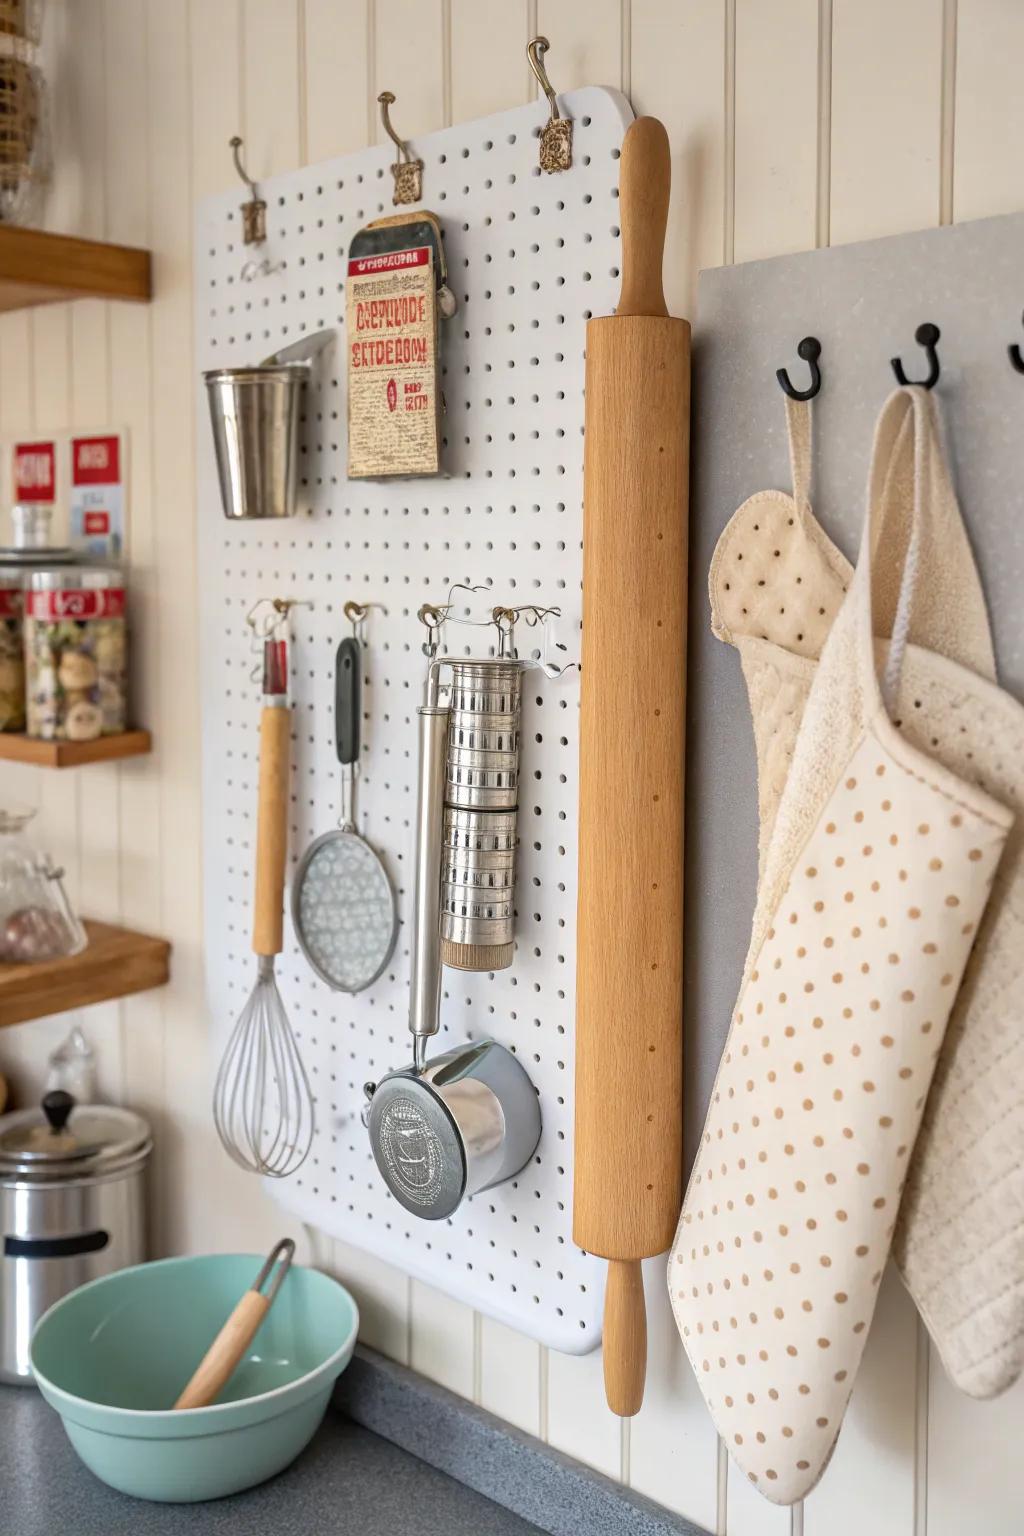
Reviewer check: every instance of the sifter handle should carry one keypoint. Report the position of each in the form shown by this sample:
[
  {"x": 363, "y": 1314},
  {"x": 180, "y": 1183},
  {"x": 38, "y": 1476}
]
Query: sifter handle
[
  {"x": 425, "y": 979},
  {"x": 347, "y": 700},
  {"x": 645, "y": 180}
]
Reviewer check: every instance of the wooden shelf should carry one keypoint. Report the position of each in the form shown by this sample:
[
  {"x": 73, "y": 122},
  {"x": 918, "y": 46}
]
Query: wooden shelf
[
  {"x": 116, "y": 963},
  {"x": 71, "y": 754},
  {"x": 39, "y": 268}
]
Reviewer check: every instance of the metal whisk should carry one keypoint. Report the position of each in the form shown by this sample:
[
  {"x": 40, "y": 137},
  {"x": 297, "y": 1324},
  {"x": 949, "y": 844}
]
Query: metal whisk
[{"x": 262, "y": 1102}]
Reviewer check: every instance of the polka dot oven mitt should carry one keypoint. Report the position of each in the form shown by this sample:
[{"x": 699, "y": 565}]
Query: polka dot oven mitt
[
  {"x": 876, "y": 877},
  {"x": 776, "y": 583}
]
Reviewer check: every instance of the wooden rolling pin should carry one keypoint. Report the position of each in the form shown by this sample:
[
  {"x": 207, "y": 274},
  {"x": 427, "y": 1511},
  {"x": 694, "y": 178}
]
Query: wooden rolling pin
[
  {"x": 224, "y": 1355},
  {"x": 628, "y": 1157}
]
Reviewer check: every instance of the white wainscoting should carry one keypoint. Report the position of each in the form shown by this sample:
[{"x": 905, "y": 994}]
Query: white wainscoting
[{"x": 793, "y": 123}]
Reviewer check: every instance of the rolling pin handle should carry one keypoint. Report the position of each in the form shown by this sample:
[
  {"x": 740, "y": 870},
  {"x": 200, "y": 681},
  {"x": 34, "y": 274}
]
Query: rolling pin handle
[
  {"x": 645, "y": 179},
  {"x": 625, "y": 1337}
]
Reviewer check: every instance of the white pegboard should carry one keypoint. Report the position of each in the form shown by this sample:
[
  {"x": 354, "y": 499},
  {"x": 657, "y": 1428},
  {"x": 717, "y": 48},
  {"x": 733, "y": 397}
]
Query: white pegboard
[{"x": 530, "y": 257}]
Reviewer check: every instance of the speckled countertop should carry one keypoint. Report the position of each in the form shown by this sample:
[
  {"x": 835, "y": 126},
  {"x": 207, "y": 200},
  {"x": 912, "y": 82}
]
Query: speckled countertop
[{"x": 347, "y": 1480}]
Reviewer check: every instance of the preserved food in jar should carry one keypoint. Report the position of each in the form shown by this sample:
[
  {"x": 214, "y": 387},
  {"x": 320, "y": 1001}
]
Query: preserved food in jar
[{"x": 75, "y": 653}]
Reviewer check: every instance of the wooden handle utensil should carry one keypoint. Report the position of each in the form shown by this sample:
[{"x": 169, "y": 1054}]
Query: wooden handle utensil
[
  {"x": 217, "y": 1366},
  {"x": 271, "y": 829},
  {"x": 628, "y": 1156}
]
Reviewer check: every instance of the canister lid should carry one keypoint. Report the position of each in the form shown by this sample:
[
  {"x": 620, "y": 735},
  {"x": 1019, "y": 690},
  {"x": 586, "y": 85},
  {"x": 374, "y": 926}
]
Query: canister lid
[{"x": 62, "y": 1140}]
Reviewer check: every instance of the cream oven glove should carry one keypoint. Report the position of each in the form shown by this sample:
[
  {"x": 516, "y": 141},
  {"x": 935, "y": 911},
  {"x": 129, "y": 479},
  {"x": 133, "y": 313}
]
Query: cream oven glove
[
  {"x": 874, "y": 882},
  {"x": 776, "y": 583}
]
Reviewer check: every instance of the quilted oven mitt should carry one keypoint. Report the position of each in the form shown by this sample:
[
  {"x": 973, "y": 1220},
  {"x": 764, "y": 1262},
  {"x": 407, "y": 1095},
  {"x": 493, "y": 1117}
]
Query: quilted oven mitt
[
  {"x": 776, "y": 584},
  {"x": 875, "y": 879}
]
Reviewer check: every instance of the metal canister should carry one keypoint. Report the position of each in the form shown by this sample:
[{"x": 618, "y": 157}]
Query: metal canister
[
  {"x": 72, "y": 1208},
  {"x": 481, "y": 800},
  {"x": 255, "y": 414},
  {"x": 75, "y": 652}
]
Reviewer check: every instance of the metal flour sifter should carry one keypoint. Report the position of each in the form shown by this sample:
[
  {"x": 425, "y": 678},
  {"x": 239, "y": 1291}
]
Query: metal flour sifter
[{"x": 445, "y": 1129}]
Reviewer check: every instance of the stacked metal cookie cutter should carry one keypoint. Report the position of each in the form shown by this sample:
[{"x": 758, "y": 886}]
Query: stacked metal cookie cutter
[{"x": 481, "y": 801}]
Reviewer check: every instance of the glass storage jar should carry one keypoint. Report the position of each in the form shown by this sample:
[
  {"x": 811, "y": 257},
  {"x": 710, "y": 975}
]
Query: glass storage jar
[
  {"x": 36, "y": 920},
  {"x": 31, "y": 548},
  {"x": 75, "y": 652}
]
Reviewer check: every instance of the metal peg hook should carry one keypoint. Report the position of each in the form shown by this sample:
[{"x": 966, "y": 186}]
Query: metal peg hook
[
  {"x": 235, "y": 146},
  {"x": 407, "y": 172},
  {"x": 356, "y": 612},
  {"x": 556, "y": 137},
  {"x": 254, "y": 212},
  {"x": 810, "y": 350},
  {"x": 926, "y": 336},
  {"x": 268, "y": 614},
  {"x": 386, "y": 101},
  {"x": 536, "y": 48},
  {"x": 1015, "y": 355}
]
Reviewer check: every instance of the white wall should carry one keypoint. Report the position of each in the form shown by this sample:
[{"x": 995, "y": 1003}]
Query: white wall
[{"x": 793, "y": 123}]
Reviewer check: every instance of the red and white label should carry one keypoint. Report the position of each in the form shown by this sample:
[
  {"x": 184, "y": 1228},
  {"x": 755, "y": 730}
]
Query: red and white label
[
  {"x": 96, "y": 460},
  {"x": 98, "y": 464},
  {"x": 389, "y": 261},
  {"x": 76, "y": 603},
  {"x": 35, "y": 472},
  {"x": 12, "y": 603}
]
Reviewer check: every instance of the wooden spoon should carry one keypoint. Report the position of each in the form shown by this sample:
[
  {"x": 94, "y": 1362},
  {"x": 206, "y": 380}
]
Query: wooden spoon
[{"x": 218, "y": 1365}]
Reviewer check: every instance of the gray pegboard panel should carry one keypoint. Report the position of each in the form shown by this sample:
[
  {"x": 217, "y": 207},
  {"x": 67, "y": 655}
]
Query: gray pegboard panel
[{"x": 864, "y": 303}]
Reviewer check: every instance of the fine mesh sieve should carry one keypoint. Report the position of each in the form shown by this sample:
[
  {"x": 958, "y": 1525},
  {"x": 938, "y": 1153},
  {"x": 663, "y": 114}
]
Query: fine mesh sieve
[{"x": 343, "y": 906}]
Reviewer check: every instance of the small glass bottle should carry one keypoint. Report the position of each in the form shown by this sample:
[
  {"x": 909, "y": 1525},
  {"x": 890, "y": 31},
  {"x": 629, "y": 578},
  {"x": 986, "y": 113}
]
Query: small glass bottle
[
  {"x": 73, "y": 1067},
  {"x": 36, "y": 920}
]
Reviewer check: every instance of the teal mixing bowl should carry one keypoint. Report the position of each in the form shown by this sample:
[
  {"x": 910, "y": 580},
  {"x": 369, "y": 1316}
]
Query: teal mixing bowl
[{"x": 114, "y": 1355}]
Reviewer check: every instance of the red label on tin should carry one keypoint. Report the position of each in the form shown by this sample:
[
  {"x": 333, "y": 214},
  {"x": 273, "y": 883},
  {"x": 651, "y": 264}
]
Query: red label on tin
[
  {"x": 12, "y": 603},
  {"x": 96, "y": 461},
  {"x": 96, "y": 522},
  {"x": 389, "y": 261},
  {"x": 77, "y": 603},
  {"x": 35, "y": 472}
]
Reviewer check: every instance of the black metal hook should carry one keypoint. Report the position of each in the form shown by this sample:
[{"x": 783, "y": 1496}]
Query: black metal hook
[
  {"x": 810, "y": 350},
  {"x": 1015, "y": 355},
  {"x": 926, "y": 336}
]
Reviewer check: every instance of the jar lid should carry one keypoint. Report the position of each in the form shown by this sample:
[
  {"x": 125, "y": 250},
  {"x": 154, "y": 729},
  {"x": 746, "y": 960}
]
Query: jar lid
[
  {"x": 31, "y": 522},
  {"x": 72, "y": 576},
  {"x": 62, "y": 1140},
  {"x": 27, "y": 559}
]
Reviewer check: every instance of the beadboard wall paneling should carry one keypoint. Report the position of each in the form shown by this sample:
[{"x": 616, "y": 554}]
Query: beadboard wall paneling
[{"x": 791, "y": 124}]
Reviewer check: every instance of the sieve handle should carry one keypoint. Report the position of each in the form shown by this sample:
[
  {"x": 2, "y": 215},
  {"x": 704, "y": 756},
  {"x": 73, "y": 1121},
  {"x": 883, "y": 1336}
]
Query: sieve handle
[{"x": 347, "y": 701}]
